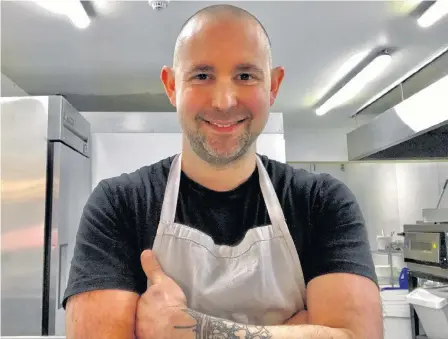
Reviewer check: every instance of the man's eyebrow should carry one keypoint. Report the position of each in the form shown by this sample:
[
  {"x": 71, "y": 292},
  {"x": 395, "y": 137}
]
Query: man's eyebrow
[
  {"x": 244, "y": 67},
  {"x": 248, "y": 67},
  {"x": 201, "y": 68}
]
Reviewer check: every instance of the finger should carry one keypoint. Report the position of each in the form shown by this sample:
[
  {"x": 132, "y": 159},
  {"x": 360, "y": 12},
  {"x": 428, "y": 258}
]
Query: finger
[
  {"x": 300, "y": 318},
  {"x": 151, "y": 266}
]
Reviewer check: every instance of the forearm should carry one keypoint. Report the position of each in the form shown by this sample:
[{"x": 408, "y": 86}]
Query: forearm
[
  {"x": 195, "y": 325},
  {"x": 101, "y": 314}
]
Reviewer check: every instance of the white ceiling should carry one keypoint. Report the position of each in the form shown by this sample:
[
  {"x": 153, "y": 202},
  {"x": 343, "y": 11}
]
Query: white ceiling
[{"x": 114, "y": 64}]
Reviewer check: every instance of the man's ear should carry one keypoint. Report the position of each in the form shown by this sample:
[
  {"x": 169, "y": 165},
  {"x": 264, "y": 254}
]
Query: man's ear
[
  {"x": 168, "y": 79},
  {"x": 277, "y": 75}
]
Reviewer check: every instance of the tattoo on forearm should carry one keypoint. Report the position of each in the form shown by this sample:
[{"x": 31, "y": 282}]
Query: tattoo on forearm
[{"x": 207, "y": 327}]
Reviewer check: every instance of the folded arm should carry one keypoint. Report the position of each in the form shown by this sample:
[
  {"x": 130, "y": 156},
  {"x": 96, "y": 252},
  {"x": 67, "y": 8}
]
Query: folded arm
[
  {"x": 100, "y": 314},
  {"x": 340, "y": 306},
  {"x": 195, "y": 325},
  {"x": 104, "y": 285}
]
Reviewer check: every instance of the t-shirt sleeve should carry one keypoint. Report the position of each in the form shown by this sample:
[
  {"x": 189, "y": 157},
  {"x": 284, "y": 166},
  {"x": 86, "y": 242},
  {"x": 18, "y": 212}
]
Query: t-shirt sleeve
[
  {"x": 104, "y": 255},
  {"x": 340, "y": 239}
]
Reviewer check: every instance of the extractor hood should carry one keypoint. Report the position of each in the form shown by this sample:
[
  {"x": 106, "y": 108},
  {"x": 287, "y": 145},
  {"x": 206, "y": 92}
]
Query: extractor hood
[{"x": 416, "y": 128}]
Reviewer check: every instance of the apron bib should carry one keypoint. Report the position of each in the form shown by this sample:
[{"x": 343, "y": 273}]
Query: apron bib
[{"x": 258, "y": 282}]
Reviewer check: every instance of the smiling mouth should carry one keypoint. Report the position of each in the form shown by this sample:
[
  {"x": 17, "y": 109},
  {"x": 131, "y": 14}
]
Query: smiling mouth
[
  {"x": 226, "y": 127},
  {"x": 225, "y": 124}
]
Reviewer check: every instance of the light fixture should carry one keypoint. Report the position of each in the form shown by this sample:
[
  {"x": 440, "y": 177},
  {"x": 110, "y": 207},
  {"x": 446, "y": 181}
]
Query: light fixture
[
  {"x": 158, "y": 5},
  {"x": 356, "y": 84},
  {"x": 410, "y": 110},
  {"x": 406, "y": 6},
  {"x": 73, "y": 9},
  {"x": 101, "y": 3},
  {"x": 433, "y": 14}
]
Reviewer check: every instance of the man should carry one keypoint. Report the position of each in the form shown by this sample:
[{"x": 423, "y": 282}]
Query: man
[{"x": 218, "y": 242}]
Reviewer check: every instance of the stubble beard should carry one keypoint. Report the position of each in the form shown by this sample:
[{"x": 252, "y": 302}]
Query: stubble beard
[{"x": 200, "y": 145}]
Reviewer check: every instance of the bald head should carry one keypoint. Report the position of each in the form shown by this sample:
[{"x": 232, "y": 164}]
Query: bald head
[
  {"x": 222, "y": 83},
  {"x": 216, "y": 13}
]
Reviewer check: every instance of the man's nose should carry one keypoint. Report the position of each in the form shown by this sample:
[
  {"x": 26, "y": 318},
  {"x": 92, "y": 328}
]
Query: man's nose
[{"x": 224, "y": 96}]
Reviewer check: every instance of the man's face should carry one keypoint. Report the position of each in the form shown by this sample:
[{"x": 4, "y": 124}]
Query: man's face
[{"x": 222, "y": 87}]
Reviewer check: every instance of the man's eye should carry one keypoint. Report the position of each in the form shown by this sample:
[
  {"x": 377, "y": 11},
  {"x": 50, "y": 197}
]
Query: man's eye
[
  {"x": 201, "y": 76},
  {"x": 245, "y": 76}
]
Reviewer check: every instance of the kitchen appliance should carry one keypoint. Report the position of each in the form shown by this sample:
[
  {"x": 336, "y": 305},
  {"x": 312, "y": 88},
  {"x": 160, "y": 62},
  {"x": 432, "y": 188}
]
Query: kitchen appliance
[
  {"x": 46, "y": 180},
  {"x": 431, "y": 306},
  {"x": 426, "y": 253},
  {"x": 426, "y": 243},
  {"x": 402, "y": 131},
  {"x": 426, "y": 247}
]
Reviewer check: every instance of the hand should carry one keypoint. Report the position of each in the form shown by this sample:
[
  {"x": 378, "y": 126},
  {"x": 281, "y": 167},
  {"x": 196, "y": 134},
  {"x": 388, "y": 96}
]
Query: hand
[
  {"x": 161, "y": 304},
  {"x": 300, "y": 318}
]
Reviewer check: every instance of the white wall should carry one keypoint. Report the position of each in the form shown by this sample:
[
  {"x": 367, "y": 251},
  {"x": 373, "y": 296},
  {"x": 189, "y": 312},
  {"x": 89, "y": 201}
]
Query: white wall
[
  {"x": 375, "y": 188},
  {"x": 123, "y": 142},
  {"x": 155, "y": 122},
  {"x": 117, "y": 153},
  {"x": 9, "y": 88},
  {"x": 316, "y": 144},
  {"x": 389, "y": 193},
  {"x": 273, "y": 146}
]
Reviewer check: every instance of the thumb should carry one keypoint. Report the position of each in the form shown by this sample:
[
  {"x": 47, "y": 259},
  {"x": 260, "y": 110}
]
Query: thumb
[{"x": 151, "y": 266}]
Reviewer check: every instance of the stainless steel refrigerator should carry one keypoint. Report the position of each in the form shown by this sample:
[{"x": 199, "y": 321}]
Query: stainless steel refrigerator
[{"x": 45, "y": 183}]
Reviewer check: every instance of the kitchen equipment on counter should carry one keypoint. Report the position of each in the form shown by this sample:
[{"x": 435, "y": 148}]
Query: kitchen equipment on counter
[
  {"x": 426, "y": 256},
  {"x": 437, "y": 215},
  {"x": 396, "y": 314},
  {"x": 46, "y": 180},
  {"x": 426, "y": 248},
  {"x": 388, "y": 275},
  {"x": 383, "y": 241},
  {"x": 431, "y": 306}
]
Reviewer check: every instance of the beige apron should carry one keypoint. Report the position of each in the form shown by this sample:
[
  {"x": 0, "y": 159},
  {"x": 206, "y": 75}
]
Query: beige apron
[{"x": 259, "y": 281}]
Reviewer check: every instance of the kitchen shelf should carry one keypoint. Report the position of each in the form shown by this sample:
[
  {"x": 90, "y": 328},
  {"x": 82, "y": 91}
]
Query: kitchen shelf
[
  {"x": 387, "y": 252},
  {"x": 391, "y": 250}
]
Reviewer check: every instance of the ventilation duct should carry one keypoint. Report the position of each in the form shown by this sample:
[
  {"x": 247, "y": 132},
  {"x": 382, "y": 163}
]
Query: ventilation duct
[{"x": 416, "y": 128}]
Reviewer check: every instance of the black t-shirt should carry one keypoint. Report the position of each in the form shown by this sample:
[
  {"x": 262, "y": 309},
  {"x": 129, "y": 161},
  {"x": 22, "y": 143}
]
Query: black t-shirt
[{"x": 121, "y": 216}]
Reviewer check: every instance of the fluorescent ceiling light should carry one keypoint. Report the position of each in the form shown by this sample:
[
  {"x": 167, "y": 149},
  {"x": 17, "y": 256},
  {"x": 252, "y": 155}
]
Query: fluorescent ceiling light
[
  {"x": 101, "y": 3},
  {"x": 73, "y": 9},
  {"x": 339, "y": 74},
  {"x": 410, "y": 5},
  {"x": 434, "y": 13},
  {"x": 420, "y": 66},
  {"x": 356, "y": 84}
]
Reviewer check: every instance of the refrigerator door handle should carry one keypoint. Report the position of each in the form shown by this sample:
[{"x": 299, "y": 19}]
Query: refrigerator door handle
[{"x": 62, "y": 273}]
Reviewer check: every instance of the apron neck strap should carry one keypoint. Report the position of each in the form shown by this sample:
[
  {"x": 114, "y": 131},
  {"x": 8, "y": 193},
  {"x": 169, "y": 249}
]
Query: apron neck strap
[
  {"x": 169, "y": 204},
  {"x": 273, "y": 206}
]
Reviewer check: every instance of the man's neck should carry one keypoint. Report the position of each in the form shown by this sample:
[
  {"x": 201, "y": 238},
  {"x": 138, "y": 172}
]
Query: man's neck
[{"x": 219, "y": 179}]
